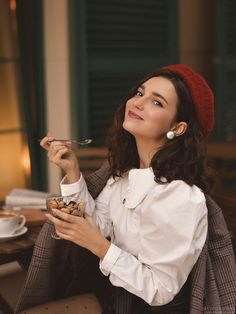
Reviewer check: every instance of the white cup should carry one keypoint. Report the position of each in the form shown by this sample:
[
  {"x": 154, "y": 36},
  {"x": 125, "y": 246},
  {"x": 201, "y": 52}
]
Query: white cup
[{"x": 10, "y": 223}]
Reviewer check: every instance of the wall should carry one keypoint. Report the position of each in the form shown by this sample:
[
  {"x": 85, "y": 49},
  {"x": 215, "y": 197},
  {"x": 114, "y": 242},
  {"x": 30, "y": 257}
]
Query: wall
[
  {"x": 196, "y": 26},
  {"x": 57, "y": 77}
]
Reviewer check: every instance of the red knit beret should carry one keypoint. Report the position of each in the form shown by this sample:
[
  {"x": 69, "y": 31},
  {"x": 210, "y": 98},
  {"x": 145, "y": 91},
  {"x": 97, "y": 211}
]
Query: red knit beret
[{"x": 201, "y": 93}]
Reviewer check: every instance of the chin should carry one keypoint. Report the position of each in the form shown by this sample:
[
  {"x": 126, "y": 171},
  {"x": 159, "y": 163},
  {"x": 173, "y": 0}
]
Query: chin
[
  {"x": 132, "y": 129},
  {"x": 128, "y": 127}
]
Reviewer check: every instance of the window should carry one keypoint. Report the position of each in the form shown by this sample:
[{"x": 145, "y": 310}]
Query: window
[
  {"x": 15, "y": 162},
  {"x": 114, "y": 44},
  {"x": 21, "y": 96},
  {"x": 225, "y": 70}
]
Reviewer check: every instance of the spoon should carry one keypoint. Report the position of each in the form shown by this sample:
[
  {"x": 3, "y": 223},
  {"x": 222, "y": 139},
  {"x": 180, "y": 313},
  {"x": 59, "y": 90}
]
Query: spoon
[{"x": 82, "y": 142}]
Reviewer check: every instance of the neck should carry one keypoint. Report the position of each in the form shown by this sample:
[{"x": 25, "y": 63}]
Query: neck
[{"x": 146, "y": 150}]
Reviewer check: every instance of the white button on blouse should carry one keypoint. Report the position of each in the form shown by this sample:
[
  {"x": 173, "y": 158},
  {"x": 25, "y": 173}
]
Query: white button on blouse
[{"x": 157, "y": 232}]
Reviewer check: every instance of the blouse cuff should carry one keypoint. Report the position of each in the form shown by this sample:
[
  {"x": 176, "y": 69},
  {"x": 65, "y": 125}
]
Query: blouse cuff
[
  {"x": 109, "y": 259},
  {"x": 72, "y": 188}
]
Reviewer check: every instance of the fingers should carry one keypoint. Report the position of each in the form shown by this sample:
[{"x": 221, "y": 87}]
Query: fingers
[
  {"x": 56, "y": 152},
  {"x": 89, "y": 219},
  {"x": 66, "y": 217},
  {"x": 45, "y": 142},
  {"x": 63, "y": 235},
  {"x": 62, "y": 228},
  {"x": 75, "y": 229},
  {"x": 66, "y": 228},
  {"x": 56, "y": 149}
]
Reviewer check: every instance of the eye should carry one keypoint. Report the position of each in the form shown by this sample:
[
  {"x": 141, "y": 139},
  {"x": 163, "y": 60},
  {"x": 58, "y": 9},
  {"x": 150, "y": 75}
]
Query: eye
[
  {"x": 157, "y": 103},
  {"x": 138, "y": 93}
]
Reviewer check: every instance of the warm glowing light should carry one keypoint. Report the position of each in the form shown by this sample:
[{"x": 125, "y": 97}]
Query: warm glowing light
[
  {"x": 26, "y": 161},
  {"x": 12, "y": 5}
]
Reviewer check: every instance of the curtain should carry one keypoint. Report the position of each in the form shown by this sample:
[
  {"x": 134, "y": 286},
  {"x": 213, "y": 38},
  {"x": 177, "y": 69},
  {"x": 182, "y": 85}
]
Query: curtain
[{"x": 30, "y": 33}]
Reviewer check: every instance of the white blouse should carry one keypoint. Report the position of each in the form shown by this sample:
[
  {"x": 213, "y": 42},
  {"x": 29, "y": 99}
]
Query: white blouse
[{"x": 157, "y": 232}]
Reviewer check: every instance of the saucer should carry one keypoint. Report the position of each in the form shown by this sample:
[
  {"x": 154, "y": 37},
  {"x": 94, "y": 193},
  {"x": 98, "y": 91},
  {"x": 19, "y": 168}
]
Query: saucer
[{"x": 14, "y": 235}]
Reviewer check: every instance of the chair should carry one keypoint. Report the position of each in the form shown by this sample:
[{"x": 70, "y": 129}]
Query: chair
[{"x": 79, "y": 304}]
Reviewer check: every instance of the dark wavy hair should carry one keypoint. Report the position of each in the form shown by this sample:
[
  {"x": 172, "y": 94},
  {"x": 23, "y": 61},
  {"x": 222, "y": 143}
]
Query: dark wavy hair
[{"x": 182, "y": 158}]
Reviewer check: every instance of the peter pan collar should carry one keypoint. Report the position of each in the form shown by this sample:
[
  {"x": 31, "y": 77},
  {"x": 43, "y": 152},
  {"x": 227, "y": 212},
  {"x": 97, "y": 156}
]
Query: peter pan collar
[{"x": 139, "y": 183}]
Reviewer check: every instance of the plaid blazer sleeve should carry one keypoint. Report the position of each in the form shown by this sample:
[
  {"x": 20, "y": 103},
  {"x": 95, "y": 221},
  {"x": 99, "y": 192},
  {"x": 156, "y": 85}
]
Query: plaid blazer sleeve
[
  {"x": 48, "y": 260},
  {"x": 47, "y": 278},
  {"x": 214, "y": 275}
]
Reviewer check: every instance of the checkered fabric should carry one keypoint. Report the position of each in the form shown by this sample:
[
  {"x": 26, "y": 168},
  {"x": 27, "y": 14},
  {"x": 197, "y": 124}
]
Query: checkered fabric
[{"x": 213, "y": 278}]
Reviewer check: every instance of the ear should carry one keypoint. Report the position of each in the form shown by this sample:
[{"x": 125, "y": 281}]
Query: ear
[{"x": 180, "y": 128}]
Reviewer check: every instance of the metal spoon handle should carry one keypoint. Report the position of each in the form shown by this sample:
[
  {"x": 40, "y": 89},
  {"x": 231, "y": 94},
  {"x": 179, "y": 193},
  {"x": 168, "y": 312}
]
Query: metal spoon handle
[{"x": 83, "y": 142}]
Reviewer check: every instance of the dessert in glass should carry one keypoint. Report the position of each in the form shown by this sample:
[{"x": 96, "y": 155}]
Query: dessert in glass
[{"x": 72, "y": 205}]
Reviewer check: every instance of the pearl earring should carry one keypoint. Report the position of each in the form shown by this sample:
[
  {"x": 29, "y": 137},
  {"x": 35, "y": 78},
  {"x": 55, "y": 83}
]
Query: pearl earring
[{"x": 170, "y": 135}]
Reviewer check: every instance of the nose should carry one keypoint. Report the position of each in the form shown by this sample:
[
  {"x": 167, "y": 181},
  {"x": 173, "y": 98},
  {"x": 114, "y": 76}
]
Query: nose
[{"x": 139, "y": 104}]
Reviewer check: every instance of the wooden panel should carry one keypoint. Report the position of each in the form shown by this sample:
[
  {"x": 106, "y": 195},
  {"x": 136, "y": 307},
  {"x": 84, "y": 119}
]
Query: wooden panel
[
  {"x": 228, "y": 206},
  {"x": 222, "y": 150},
  {"x": 91, "y": 158},
  {"x": 222, "y": 156}
]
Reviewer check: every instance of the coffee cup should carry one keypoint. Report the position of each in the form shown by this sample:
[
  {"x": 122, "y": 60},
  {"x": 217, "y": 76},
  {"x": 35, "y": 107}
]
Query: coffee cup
[{"x": 10, "y": 223}]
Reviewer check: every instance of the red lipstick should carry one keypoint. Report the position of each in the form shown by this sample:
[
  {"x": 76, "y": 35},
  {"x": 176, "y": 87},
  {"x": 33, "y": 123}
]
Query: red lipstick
[{"x": 133, "y": 115}]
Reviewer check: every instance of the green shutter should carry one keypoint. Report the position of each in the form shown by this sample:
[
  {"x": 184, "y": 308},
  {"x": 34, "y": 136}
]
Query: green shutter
[
  {"x": 30, "y": 28},
  {"x": 115, "y": 43},
  {"x": 225, "y": 70}
]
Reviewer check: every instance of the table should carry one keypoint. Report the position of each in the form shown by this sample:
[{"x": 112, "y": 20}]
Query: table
[{"x": 20, "y": 249}]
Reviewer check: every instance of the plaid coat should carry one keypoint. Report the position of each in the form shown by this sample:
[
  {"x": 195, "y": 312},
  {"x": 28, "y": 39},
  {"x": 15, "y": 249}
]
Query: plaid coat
[{"x": 213, "y": 277}]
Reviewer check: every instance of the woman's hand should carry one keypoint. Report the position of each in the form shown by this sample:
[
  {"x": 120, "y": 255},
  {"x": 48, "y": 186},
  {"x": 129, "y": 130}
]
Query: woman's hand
[
  {"x": 63, "y": 156},
  {"x": 82, "y": 231}
]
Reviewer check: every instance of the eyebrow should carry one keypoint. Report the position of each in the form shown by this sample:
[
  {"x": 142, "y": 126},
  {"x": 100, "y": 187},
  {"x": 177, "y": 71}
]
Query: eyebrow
[{"x": 155, "y": 94}]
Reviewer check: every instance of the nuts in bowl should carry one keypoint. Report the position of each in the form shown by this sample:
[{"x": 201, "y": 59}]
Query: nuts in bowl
[
  {"x": 67, "y": 204},
  {"x": 71, "y": 204}
]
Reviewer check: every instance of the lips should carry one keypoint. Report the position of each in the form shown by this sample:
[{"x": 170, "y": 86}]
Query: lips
[{"x": 133, "y": 115}]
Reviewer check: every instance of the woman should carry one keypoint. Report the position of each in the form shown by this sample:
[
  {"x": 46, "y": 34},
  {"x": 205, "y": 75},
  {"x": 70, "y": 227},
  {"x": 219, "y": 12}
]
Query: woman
[{"x": 149, "y": 224}]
